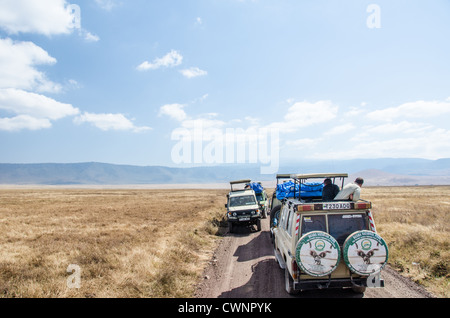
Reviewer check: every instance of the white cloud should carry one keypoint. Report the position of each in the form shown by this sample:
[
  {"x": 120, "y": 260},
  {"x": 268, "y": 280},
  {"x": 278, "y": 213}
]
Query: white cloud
[
  {"x": 48, "y": 17},
  {"x": 33, "y": 111},
  {"x": 108, "y": 122},
  {"x": 306, "y": 114},
  {"x": 403, "y": 127},
  {"x": 38, "y": 106},
  {"x": 193, "y": 72},
  {"x": 107, "y": 5},
  {"x": 339, "y": 130},
  {"x": 302, "y": 143},
  {"x": 22, "y": 122},
  {"x": 432, "y": 145},
  {"x": 88, "y": 36},
  {"x": 174, "y": 111},
  {"x": 419, "y": 109},
  {"x": 171, "y": 59},
  {"x": 18, "y": 61}
]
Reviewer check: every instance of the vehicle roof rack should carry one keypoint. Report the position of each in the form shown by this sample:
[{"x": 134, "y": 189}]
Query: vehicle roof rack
[
  {"x": 301, "y": 178},
  {"x": 283, "y": 176},
  {"x": 318, "y": 175},
  {"x": 239, "y": 182}
]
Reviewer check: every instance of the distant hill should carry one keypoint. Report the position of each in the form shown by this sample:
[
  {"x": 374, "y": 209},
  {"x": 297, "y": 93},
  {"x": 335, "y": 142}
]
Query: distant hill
[
  {"x": 102, "y": 173},
  {"x": 374, "y": 177},
  {"x": 375, "y": 171}
]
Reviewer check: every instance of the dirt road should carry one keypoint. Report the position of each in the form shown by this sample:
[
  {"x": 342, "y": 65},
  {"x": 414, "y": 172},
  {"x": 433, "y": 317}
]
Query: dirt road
[{"x": 243, "y": 266}]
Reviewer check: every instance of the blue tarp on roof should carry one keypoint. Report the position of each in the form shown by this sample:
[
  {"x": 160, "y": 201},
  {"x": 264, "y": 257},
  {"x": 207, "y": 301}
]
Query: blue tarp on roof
[
  {"x": 286, "y": 190},
  {"x": 256, "y": 187}
]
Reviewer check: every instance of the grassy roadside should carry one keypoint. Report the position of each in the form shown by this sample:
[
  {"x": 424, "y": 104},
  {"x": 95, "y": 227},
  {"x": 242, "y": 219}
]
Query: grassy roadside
[
  {"x": 156, "y": 243},
  {"x": 127, "y": 243},
  {"x": 415, "y": 221}
]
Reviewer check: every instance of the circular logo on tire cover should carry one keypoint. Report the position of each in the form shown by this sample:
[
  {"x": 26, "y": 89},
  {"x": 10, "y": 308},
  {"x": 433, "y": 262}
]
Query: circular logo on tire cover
[
  {"x": 317, "y": 254},
  {"x": 365, "y": 253}
]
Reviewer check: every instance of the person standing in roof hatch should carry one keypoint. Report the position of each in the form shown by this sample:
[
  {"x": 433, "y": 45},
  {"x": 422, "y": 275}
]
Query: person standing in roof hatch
[
  {"x": 330, "y": 190},
  {"x": 351, "y": 191}
]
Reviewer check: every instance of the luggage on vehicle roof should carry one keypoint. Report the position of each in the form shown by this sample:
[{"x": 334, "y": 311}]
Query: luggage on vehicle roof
[
  {"x": 289, "y": 189},
  {"x": 257, "y": 187}
]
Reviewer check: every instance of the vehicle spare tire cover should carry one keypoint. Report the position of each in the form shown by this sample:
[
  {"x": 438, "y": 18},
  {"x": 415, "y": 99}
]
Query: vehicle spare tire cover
[
  {"x": 317, "y": 254},
  {"x": 365, "y": 253}
]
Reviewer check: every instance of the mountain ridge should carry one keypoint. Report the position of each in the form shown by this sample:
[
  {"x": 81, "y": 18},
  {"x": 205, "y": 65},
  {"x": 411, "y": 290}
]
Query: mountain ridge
[{"x": 376, "y": 171}]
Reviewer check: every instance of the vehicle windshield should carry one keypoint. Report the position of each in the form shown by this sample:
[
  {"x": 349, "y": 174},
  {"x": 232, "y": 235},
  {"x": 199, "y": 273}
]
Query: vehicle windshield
[{"x": 242, "y": 200}]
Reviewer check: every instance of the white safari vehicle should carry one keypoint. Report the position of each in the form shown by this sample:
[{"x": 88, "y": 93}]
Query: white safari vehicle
[
  {"x": 322, "y": 244},
  {"x": 242, "y": 206}
]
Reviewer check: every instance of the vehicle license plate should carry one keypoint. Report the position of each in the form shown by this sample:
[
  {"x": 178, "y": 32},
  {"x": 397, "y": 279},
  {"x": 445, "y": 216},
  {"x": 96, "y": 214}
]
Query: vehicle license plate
[
  {"x": 336, "y": 206},
  {"x": 244, "y": 219}
]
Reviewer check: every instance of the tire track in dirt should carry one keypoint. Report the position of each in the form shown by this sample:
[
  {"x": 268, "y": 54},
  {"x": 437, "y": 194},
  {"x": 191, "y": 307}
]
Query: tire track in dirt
[{"x": 243, "y": 266}]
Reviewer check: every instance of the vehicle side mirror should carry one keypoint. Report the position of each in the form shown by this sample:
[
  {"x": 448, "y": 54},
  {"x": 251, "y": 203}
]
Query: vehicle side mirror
[{"x": 226, "y": 205}]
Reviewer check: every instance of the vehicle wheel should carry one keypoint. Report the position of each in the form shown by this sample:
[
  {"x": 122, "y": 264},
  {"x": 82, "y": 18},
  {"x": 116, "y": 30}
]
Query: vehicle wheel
[
  {"x": 230, "y": 227},
  {"x": 365, "y": 253},
  {"x": 289, "y": 283},
  {"x": 258, "y": 225},
  {"x": 274, "y": 214},
  {"x": 264, "y": 213},
  {"x": 359, "y": 289}
]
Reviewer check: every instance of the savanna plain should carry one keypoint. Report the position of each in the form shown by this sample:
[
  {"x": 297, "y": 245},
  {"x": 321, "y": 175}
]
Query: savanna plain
[{"x": 156, "y": 243}]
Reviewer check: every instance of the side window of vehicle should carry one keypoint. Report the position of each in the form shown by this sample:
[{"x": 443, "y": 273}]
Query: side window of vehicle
[
  {"x": 284, "y": 212},
  {"x": 286, "y": 223},
  {"x": 292, "y": 215}
]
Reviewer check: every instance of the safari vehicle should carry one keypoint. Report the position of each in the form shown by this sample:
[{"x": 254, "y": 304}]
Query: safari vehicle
[
  {"x": 242, "y": 206},
  {"x": 327, "y": 244},
  {"x": 275, "y": 204},
  {"x": 261, "y": 197}
]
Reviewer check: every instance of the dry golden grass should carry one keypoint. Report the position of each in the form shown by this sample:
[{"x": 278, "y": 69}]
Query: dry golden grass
[
  {"x": 156, "y": 243},
  {"x": 415, "y": 221},
  {"x": 128, "y": 243}
]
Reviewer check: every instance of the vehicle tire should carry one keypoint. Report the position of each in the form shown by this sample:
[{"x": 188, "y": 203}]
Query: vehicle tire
[
  {"x": 274, "y": 214},
  {"x": 230, "y": 227},
  {"x": 264, "y": 213},
  {"x": 359, "y": 289},
  {"x": 317, "y": 254},
  {"x": 258, "y": 225},
  {"x": 289, "y": 283},
  {"x": 365, "y": 253}
]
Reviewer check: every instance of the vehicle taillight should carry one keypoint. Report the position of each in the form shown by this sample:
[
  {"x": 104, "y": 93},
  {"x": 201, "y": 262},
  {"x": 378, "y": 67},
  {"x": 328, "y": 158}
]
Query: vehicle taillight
[
  {"x": 363, "y": 206},
  {"x": 305, "y": 208},
  {"x": 294, "y": 267}
]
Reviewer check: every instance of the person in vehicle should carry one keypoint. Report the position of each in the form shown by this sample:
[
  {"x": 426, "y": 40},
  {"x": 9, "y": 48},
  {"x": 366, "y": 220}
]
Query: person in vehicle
[
  {"x": 351, "y": 191},
  {"x": 330, "y": 190}
]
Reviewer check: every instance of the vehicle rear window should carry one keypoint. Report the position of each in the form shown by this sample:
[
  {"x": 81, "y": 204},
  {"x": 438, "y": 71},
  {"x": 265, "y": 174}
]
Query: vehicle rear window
[
  {"x": 242, "y": 200},
  {"x": 313, "y": 223},
  {"x": 342, "y": 225}
]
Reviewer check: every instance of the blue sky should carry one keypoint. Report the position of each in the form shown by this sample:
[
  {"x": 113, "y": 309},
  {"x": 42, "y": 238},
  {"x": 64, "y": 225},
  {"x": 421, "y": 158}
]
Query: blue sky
[{"x": 112, "y": 80}]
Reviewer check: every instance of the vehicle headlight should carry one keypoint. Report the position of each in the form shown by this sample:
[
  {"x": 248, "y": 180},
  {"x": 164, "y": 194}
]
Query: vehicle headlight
[{"x": 235, "y": 214}]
